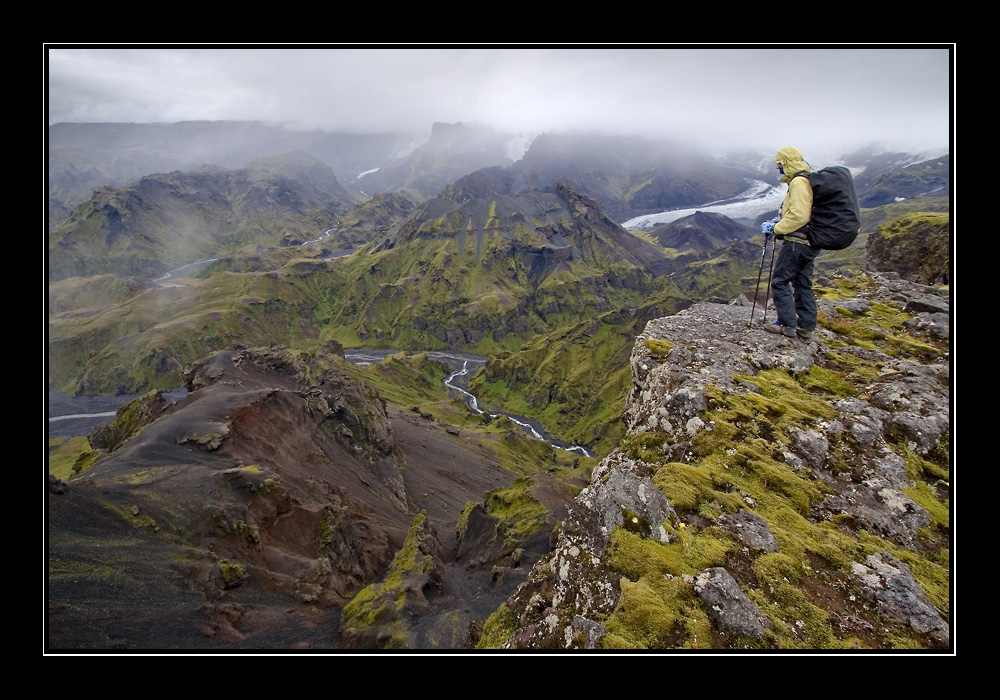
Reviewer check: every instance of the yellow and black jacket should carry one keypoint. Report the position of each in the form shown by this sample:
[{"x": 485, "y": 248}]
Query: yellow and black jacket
[{"x": 796, "y": 208}]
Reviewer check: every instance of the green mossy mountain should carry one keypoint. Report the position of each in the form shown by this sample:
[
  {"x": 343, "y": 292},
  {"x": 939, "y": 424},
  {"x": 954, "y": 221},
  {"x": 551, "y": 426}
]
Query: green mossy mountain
[
  {"x": 482, "y": 267},
  {"x": 477, "y": 273},
  {"x": 168, "y": 220},
  {"x": 479, "y": 264}
]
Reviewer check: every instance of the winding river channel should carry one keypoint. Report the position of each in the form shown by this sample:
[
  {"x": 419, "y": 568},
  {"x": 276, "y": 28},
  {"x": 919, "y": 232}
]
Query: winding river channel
[
  {"x": 463, "y": 366},
  {"x": 78, "y": 415}
]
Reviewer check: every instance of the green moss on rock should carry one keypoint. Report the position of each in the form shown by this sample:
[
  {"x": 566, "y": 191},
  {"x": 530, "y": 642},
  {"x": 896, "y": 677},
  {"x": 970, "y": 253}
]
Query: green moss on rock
[{"x": 658, "y": 348}]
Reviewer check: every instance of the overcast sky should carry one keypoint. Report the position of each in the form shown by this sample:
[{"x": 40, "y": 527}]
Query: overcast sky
[{"x": 818, "y": 99}]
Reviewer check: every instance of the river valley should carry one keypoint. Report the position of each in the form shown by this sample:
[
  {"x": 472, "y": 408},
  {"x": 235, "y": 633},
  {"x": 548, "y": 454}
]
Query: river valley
[{"x": 78, "y": 415}]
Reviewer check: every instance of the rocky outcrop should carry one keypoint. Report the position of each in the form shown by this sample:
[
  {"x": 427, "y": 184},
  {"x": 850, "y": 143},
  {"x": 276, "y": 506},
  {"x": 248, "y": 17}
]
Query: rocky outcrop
[
  {"x": 129, "y": 419},
  {"x": 380, "y": 616},
  {"x": 917, "y": 247},
  {"x": 768, "y": 490}
]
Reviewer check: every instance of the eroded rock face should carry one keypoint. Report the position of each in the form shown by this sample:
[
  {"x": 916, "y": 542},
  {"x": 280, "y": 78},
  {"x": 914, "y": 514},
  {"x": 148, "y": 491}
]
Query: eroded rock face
[
  {"x": 275, "y": 479},
  {"x": 917, "y": 247},
  {"x": 384, "y": 615},
  {"x": 289, "y": 408},
  {"x": 130, "y": 419}
]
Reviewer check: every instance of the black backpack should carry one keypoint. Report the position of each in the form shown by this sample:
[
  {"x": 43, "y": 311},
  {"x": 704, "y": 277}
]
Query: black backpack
[{"x": 836, "y": 215}]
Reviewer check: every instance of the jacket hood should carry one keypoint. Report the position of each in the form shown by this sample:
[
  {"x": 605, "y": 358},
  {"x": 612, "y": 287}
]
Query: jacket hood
[{"x": 792, "y": 162}]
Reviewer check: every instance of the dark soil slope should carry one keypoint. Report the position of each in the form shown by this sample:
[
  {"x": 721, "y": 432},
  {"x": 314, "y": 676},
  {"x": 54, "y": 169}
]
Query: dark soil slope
[{"x": 248, "y": 514}]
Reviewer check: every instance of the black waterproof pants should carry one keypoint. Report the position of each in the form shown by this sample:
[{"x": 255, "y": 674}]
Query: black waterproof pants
[{"x": 791, "y": 286}]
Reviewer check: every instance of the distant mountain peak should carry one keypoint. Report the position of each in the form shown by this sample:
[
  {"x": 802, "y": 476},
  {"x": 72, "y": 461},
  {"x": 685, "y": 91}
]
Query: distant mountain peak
[{"x": 701, "y": 232}]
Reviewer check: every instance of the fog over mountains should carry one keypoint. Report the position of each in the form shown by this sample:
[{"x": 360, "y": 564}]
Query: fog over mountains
[{"x": 718, "y": 97}]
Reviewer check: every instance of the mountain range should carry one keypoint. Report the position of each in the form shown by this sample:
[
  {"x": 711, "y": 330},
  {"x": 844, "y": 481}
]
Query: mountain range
[{"x": 308, "y": 243}]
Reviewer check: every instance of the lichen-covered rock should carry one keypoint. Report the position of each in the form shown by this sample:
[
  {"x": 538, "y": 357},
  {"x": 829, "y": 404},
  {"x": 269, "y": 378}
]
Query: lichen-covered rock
[
  {"x": 812, "y": 445},
  {"x": 889, "y": 584},
  {"x": 620, "y": 498},
  {"x": 936, "y": 323},
  {"x": 573, "y": 582},
  {"x": 750, "y": 530},
  {"x": 590, "y": 631},
  {"x": 877, "y": 507},
  {"x": 728, "y": 605}
]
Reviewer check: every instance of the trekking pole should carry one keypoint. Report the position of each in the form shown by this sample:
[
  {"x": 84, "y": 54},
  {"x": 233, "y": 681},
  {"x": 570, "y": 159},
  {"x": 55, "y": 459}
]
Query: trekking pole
[
  {"x": 756, "y": 291},
  {"x": 770, "y": 273}
]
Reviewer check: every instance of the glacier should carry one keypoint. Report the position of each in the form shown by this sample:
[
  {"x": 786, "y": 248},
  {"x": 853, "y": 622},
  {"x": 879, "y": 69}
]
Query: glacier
[{"x": 759, "y": 198}]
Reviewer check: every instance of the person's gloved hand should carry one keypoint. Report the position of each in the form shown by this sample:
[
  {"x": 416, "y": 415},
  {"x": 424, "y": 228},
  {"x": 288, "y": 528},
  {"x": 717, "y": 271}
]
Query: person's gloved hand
[{"x": 767, "y": 228}]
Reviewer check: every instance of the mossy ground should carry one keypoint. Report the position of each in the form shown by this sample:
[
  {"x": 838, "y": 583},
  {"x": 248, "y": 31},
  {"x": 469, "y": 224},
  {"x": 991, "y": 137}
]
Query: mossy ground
[
  {"x": 64, "y": 453},
  {"x": 805, "y": 588},
  {"x": 519, "y": 513}
]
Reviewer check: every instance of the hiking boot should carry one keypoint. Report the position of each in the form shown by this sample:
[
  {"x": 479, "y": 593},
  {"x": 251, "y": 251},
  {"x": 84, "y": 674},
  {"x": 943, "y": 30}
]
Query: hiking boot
[
  {"x": 787, "y": 331},
  {"x": 804, "y": 334}
]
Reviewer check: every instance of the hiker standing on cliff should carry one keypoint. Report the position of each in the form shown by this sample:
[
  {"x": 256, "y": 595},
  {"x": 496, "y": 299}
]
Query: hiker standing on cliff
[{"x": 791, "y": 282}]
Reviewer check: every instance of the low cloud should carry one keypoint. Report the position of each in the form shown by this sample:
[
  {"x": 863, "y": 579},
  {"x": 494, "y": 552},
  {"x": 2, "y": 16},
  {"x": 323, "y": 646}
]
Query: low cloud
[{"x": 816, "y": 99}]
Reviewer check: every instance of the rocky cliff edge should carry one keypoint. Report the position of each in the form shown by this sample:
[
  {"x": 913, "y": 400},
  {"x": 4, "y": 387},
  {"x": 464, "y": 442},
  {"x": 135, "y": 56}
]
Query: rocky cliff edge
[{"x": 770, "y": 493}]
